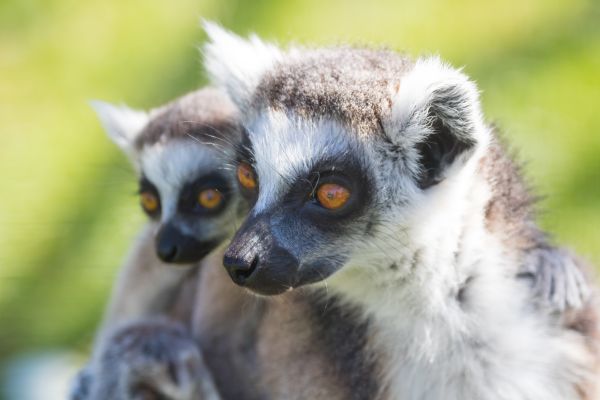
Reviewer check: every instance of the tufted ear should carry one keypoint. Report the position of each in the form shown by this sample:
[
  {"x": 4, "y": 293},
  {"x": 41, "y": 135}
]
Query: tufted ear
[
  {"x": 235, "y": 63},
  {"x": 437, "y": 112},
  {"x": 122, "y": 124}
]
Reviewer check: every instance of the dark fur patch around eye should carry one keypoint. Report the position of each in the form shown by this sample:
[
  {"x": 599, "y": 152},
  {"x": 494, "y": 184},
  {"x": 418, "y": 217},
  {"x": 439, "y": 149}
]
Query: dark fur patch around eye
[
  {"x": 146, "y": 186},
  {"x": 245, "y": 154},
  {"x": 188, "y": 197},
  {"x": 346, "y": 172},
  {"x": 244, "y": 151}
]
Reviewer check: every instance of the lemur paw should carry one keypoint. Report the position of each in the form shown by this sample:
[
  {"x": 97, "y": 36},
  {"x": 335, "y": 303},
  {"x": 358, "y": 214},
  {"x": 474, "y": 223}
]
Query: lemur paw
[
  {"x": 558, "y": 278},
  {"x": 150, "y": 360},
  {"x": 80, "y": 388}
]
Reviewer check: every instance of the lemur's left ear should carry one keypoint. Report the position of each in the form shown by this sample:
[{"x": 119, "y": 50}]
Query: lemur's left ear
[
  {"x": 122, "y": 124},
  {"x": 235, "y": 63},
  {"x": 436, "y": 111}
]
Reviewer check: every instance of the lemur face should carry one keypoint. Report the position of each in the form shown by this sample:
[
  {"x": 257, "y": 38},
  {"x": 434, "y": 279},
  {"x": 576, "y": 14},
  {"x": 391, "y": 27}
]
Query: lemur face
[
  {"x": 343, "y": 149},
  {"x": 312, "y": 197},
  {"x": 185, "y": 189},
  {"x": 182, "y": 152}
]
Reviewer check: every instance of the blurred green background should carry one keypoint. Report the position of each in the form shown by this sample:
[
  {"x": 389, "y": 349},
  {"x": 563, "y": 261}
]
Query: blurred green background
[{"x": 67, "y": 205}]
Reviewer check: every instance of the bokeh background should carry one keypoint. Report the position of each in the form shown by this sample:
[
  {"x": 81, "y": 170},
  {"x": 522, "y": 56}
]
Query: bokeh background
[{"x": 67, "y": 206}]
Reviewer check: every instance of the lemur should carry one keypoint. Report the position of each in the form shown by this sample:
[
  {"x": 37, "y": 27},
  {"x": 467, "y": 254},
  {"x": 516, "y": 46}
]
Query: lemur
[
  {"x": 230, "y": 334},
  {"x": 181, "y": 153},
  {"x": 395, "y": 236}
]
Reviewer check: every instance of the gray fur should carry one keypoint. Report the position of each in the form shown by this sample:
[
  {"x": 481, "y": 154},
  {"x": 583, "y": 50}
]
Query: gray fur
[
  {"x": 350, "y": 85},
  {"x": 343, "y": 334},
  {"x": 557, "y": 275},
  {"x": 205, "y": 115},
  {"x": 302, "y": 344}
]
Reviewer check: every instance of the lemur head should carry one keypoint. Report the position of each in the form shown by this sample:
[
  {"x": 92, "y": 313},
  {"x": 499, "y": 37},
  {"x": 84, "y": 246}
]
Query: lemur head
[
  {"x": 349, "y": 154},
  {"x": 181, "y": 152}
]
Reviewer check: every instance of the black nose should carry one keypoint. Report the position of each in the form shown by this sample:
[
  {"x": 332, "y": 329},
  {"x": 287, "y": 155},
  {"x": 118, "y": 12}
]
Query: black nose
[
  {"x": 167, "y": 250},
  {"x": 173, "y": 246},
  {"x": 169, "y": 243},
  {"x": 240, "y": 269}
]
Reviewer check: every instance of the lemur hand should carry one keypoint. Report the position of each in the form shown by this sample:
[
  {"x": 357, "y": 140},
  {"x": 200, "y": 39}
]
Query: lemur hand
[
  {"x": 80, "y": 390},
  {"x": 558, "y": 278},
  {"x": 148, "y": 360}
]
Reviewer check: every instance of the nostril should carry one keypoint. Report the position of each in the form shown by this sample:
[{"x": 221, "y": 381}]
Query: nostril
[
  {"x": 244, "y": 273},
  {"x": 240, "y": 270},
  {"x": 167, "y": 254}
]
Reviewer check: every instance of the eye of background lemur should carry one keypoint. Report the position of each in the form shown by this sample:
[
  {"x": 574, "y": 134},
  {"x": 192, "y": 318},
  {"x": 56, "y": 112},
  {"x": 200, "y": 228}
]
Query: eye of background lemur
[
  {"x": 246, "y": 176},
  {"x": 204, "y": 197},
  {"x": 149, "y": 202},
  {"x": 332, "y": 196},
  {"x": 210, "y": 198},
  {"x": 149, "y": 198}
]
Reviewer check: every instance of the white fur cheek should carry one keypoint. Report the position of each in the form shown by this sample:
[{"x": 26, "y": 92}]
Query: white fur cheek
[{"x": 442, "y": 211}]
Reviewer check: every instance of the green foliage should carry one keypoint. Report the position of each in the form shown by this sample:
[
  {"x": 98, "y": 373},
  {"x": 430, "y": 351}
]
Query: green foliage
[{"x": 67, "y": 210}]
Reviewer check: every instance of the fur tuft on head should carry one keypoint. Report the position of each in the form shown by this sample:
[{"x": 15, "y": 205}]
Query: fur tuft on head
[
  {"x": 437, "y": 109},
  {"x": 121, "y": 123},
  {"x": 235, "y": 63},
  {"x": 434, "y": 89}
]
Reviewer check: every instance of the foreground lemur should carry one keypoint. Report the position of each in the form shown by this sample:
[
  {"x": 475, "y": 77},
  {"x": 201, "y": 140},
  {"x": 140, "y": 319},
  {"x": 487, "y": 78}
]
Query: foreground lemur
[
  {"x": 181, "y": 153},
  {"x": 395, "y": 229}
]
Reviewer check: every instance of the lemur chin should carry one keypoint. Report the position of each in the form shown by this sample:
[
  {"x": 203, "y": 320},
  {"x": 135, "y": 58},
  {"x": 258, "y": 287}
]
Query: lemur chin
[{"x": 375, "y": 177}]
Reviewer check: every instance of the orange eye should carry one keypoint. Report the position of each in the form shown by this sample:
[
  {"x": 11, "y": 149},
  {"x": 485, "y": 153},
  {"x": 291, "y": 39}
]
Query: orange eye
[
  {"x": 332, "y": 196},
  {"x": 246, "y": 176},
  {"x": 210, "y": 198},
  {"x": 149, "y": 202}
]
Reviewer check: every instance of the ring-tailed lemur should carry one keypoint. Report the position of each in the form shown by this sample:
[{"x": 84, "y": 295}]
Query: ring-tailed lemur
[
  {"x": 379, "y": 189},
  {"x": 181, "y": 153}
]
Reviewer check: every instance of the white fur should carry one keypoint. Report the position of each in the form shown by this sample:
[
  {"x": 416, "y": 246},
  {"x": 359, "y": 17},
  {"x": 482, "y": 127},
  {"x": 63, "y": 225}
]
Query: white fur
[
  {"x": 121, "y": 123},
  {"x": 494, "y": 348},
  {"x": 288, "y": 148},
  {"x": 236, "y": 63}
]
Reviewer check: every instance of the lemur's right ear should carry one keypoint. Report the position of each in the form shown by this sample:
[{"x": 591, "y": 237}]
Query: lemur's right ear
[
  {"x": 436, "y": 120},
  {"x": 122, "y": 124},
  {"x": 235, "y": 63}
]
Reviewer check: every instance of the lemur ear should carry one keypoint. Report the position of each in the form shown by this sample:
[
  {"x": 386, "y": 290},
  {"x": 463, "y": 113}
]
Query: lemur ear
[
  {"x": 122, "y": 124},
  {"x": 235, "y": 63},
  {"x": 437, "y": 112}
]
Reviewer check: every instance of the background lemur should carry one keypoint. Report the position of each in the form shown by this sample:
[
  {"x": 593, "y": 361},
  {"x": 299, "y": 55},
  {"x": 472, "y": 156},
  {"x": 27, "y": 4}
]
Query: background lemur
[
  {"x": 181, "y": 152},
  {"x": 381, "y": 192}
]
